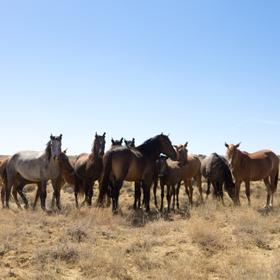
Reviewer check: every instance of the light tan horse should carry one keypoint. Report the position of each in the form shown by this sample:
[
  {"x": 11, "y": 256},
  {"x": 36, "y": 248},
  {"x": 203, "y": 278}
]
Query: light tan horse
[
  {"x": 246, "y": 167},
  {"x": 191, "y": 169}
]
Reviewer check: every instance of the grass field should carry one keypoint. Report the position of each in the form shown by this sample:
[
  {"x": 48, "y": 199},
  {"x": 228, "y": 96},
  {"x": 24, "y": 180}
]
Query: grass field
[{"x": 208, "y": 242}]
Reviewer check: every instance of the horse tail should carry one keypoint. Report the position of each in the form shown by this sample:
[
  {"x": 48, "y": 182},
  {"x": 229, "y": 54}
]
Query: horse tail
[
  {"x": 105, "y": 178},
  {"x": 276, "y": 180}
]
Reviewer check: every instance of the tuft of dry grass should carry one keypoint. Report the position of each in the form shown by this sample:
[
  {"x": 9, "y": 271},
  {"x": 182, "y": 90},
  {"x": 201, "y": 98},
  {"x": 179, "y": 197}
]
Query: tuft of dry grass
[{"x": 207, "y": 242}]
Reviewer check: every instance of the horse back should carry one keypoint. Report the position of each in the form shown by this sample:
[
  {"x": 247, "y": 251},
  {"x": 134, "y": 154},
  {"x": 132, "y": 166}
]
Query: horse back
[
  {"x": 192, "y": 168},
  {"x": 256, "y": 166},
  {"x": 127, "y": 164}
]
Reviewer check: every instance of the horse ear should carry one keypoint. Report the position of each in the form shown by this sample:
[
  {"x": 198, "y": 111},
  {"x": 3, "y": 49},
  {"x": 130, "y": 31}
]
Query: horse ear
[
  {"x": 104, "y": 134},
  {"x": 237, "y": 146},
  {"x": 186, "y": 144},
  {"x": 133, "y": 141},
  {"x": 226, "y": 145},
  {"x": 65, "y": 151},
  {"x": 175, "y": 146},
  {"x": 112, "y": 140},
  {"x": 121, "y": 140},
  {"x": 60, "y": 136},
  {"x": 51, "y": 137},
  {"x": 95, "y": 134}
]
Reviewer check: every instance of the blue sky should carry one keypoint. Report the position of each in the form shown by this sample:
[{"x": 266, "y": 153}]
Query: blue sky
[{"x": 204, "y": 71}]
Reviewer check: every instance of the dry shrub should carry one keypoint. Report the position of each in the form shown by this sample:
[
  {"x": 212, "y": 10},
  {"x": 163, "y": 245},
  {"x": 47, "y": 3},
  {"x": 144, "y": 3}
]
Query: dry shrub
[
  {"x": 104, "y": 263},
  {"x": 252, "y": 229},
  {"x": 246, "y": 266},
  {"x": 62, "y": 252},
  {"x": 209, "y": 238}
]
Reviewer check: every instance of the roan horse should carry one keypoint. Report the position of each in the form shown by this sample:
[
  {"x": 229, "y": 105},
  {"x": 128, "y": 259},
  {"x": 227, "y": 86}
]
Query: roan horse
[
  {"x": 88, "y": 169},
  {"x": 17, "y": 188},
  {"x": 215, "y": 170},
  {"x": 246, "y": 167},
  {"x": 133, "y": 165},
  {"x": 36, "y": 167}
]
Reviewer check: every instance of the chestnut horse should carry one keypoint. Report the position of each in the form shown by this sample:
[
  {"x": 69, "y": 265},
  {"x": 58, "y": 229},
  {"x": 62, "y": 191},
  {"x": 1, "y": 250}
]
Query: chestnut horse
[
  {"x": 246, "y": 167},
  {"x": 191, "y": 169},
  {"x": 133, "y": 165},
  {"x": 88, "y": 169}
]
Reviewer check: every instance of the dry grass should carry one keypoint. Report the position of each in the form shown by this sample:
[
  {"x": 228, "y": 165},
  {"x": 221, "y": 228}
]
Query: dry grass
[{"x": 215, "y": 242}]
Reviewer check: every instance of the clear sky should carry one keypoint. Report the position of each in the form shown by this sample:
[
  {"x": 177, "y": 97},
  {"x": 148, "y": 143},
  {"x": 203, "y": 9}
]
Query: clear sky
[{"x": 204, "y": 71}]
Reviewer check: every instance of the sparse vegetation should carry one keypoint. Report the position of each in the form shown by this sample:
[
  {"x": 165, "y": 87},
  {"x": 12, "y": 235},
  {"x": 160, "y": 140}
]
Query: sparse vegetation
[{"x": 214, "y": 242}]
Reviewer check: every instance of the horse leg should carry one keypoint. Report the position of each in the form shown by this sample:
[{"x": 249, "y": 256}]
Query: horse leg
[
  {"x": 23, "y": 197},
  {"x": 177, "y": 194},
  {"x": 90, "y": 185},
  {"x": 43, "y": 195},
  {"x": 108, "y": 194},
  {"x": 77, "y": 188},
  {"x": 273, "y": 182},
  {"x": 115, "y": 196},
  {"x": 56, "y": 183},
  {"x": 247, "y": 186},
  {"x": 269, "y": 192},
  {"x": 187, "y": 190},
  {"x": 147, "y": 194},
  {"x": 155, "y": 192},
  {"x": 237, "y": 190},
  {"x": 14, "y": 192},
  {"x": 208, "y": 188},
  {"x": 220, "y": 192},
  {"x": 174, "y": 197},
  {"x": 137, "y": 195},
  {"x": 3, "y": 195},
  {"x": 191, "y": 191},
  {"x": 169, "y": 190},
  {"x": 162, "y": 196},
  {"x": 37, "y": 195},
  {"x": 199, "y": 184},
  {"x": 10, "y": 182}
]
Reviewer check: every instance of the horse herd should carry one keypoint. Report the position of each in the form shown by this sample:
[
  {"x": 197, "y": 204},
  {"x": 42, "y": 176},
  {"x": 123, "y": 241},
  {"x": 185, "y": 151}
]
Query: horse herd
[{"x": 156, "y": 160}]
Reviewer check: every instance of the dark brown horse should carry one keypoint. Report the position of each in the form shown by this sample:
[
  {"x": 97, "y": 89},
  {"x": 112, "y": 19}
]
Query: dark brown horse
[
  {"x": 215, "y": 169},
  {"x": 133, "y": 165},
  {"x": 246, "y": 167},
  {"x": 88, "y": 169}
]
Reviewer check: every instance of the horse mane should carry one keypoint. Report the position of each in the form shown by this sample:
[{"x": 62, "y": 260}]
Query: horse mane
[{"x": 48, "y": 151}]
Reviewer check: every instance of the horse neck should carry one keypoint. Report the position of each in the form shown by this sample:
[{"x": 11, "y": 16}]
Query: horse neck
[
  {"x": 240, "y": 159},
  {"x": 69, "y": 175},
  {"x": 227, "y": 176},
  {"x": 149, "y": 149}
]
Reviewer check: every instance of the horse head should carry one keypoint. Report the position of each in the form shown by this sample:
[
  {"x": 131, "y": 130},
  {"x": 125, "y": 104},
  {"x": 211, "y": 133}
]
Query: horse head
[
  {"x": 117, "y": 142},
  {"x": 182, "y": 153},
  {"x": 99, "y": 145},
  {"x": 232, "y": 153},
  {"x": 130, "y": 143},
  {"x": 54, "y": 146},
  {"x": 166, "y": 146}
]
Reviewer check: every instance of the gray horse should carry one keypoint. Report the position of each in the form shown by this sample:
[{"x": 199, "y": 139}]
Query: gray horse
[
  {"x": 215, "y": 170},
  {"x": 37, "y": 167}
]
